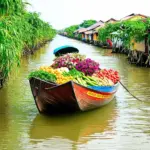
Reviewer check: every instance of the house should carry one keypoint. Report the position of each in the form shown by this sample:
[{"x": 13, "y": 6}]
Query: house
[
  {"x": 133, "y": 17},
  {"x": 87, "y": 34},
  {"x": 95, "y": 32},
  {"x": 79, "y": 31},
  {"x": 65, "y": 33},
  {"x": 111, "y": 20},
  {"x": 139, "y": 46}
]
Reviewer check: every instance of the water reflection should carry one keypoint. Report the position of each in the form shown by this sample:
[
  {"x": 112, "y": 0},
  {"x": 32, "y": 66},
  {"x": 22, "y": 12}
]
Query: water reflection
[
  {"x": 80, "y": 127},
  {"x": 123, "y": 124}
]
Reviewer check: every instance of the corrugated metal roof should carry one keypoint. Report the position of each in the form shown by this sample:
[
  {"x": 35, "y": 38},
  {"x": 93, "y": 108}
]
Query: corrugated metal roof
[
  {"x": 83, "y": 30},
  {"x": 93, "y": 26},
  {"x": 110, "y": 20},
  {"x": 96, "y": 29},
  {"x": 80, "y": 30},
  {"x": 132, "y": 15},
  {"x": 89, "y": 32}
]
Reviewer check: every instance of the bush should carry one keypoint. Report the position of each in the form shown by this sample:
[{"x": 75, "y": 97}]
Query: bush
[{"x": 19, "y": 32}]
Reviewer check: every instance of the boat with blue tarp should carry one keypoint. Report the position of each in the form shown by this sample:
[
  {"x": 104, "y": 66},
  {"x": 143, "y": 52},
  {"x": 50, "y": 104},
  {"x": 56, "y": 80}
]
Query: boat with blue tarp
[
  {"x": 70, "y": 96},
  {"x": 65, "y": 49}
]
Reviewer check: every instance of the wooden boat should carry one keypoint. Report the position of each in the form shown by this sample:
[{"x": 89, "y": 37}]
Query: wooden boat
[
  {"x": 65, "y": 49},
  {"x": 69, "y": 97}
]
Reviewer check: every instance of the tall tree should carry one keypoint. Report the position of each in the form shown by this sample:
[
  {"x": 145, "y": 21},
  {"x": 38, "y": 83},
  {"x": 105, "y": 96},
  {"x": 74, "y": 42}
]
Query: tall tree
[
  {"x": 87, "y": 23},
  {"x": 70, "y": 30}
]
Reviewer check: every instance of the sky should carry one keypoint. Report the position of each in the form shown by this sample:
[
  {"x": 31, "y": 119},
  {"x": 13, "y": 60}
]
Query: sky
[{"x": 63, "y": 13}]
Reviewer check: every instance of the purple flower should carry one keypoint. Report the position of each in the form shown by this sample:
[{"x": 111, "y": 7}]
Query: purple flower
[
  {"x": 68, "y": 60},
  {"x": 87, "y": 66}
]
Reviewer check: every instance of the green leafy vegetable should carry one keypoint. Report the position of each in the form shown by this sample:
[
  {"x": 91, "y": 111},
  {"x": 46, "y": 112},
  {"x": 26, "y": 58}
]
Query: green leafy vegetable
[
  {"x": 42, "y": 75},
  {"x": 74, "y": 73}
]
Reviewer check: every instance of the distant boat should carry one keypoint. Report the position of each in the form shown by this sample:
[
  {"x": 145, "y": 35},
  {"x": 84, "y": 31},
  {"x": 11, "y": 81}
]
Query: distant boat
[
  {"x": 69, "y": 97},
  {"x": 65, "y": 49}
]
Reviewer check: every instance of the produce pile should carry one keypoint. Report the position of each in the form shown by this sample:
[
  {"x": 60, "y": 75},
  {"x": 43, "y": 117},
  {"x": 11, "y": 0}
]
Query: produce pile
[
  {"x": 69, "y": 60},
  {"x": 78, "y": 68}
]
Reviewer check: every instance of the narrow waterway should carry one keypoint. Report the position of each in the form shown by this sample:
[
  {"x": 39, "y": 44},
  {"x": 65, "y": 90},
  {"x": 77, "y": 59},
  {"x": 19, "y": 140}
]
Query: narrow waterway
[{"x": 124, "y": 124}]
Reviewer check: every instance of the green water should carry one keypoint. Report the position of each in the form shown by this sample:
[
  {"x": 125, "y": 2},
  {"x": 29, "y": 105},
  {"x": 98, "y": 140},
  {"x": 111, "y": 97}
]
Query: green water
[{"x": 124, "y": 124}]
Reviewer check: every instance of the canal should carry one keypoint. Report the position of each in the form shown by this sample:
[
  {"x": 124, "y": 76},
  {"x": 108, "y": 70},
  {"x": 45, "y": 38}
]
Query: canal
[{"x": 123, "y": 124}]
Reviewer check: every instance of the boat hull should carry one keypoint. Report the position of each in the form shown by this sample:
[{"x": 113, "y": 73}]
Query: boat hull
[
  {"x": 90, "y": 99},
  {"x": 69, "y": 97}
]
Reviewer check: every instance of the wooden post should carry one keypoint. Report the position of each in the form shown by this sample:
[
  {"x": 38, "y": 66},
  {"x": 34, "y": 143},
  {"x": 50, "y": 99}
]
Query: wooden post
[
  {"x": 146, "y": 44},
  {"x": 1, "y": 80}
]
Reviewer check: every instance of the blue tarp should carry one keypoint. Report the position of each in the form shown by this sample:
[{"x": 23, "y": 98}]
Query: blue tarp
[{"x": 61, "y": 48}]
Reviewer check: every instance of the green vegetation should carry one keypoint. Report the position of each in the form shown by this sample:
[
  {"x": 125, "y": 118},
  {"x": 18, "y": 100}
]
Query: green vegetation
[
  {"x": 70, "y": 30},
  {"x": 10, "y": 7},
  {"x": 19, "y": 31},
  {"x": 79, "y": 37},
  {"x": 43, "y": 75},
  {"x": 87, "y": 23},
  {"x": 74, "y": 73},
  {"x": 127, "y": 31}
]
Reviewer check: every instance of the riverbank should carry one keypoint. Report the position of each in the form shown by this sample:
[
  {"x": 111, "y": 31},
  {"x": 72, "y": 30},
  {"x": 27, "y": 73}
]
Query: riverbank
[
  {"x": 128, "y": 35},
  {"x": 21, "y": 35},
  {"x": 135, "y": 57},
  {"x": 31, "y": 51},
  {"x": 21, "y": 120},
  {"x": 26, "y": 52}
]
